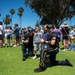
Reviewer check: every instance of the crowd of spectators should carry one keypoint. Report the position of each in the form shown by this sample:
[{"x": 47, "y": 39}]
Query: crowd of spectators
[{"x": 12, "y": 37}]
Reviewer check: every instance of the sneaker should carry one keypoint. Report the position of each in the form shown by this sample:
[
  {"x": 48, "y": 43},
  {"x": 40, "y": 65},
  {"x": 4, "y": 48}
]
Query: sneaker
[
  {"x": 34, "y": 57},
  {"x": 23, "y": 59},
  {"x": 68, "y": 63},
  {"x": 11, "y": 45},
  {"x": 64, "y": 50},
  {"x": 3, "y": 45},
  {"x": 15, "y": 46},
  {"x": 18, "y": 44},
  {"x": 39, "y": 69},
  {"x": 39, "y": 57}
]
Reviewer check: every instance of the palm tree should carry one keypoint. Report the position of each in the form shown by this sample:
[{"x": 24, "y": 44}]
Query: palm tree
[
  {"x": 7, "y": 19},
  {"x": 37, "y": 23},
  {"x": 12, "y": 11},
  {"x": 20, "y": 11}
]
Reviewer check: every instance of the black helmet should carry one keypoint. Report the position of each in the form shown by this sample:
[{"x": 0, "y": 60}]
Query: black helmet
[{"x": 30, "y": 29}]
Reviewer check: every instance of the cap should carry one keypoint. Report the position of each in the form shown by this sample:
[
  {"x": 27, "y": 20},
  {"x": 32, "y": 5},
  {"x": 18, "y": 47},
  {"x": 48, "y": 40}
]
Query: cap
[
  {"x": 65, "y": 25},
  {"x": 30, "y": 29}
]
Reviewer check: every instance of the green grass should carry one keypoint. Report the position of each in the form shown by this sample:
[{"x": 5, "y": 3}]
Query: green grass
[{"x": 11, "y": 63}]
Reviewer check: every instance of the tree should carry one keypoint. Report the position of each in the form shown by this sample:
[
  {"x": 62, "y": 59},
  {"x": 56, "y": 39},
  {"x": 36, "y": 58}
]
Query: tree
[
  {"x": 20, "y": 12},
  {"x": 12, "y": 11},
  {"x": 52, "y": 11},
  {"x": 7, "y": 19},
  {"x": 72, "y": 3},
  {"x": 37, "y": 23}
]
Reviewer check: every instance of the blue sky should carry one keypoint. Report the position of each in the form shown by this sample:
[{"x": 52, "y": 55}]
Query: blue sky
[{"x": 29, "y": 17}]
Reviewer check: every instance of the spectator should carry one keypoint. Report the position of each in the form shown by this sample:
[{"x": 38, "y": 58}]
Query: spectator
[
  {"x": 11, "y": 36},
  {"x": 1, "y": 35},
  {"x": 36, "y": 41},
  {"x": 65, "y": 35},
  {"x": 8, "y": 33},
  {"x": 58, "y": 32},
  {"x": 71, "y": 35},
  {"x": 45, "y": 36},
  {"x": 16, "y": 35}
]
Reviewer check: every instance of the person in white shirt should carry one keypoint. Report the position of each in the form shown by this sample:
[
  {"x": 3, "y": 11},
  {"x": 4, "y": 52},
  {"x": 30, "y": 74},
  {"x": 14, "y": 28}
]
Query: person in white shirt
[
  {"x": 8, "y": 33},
  {"x": 71, "y": 34},
  {"x": 36, "y": 40},
  {"x": 1, "y": 35}
]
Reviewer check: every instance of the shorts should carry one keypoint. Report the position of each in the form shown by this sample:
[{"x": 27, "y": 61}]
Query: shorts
[
  {"x": 16, "y": 36},
  {"x": 8, "y": 36},
  {"x": 65, "y": 37},
  {"x": 37, "y": 47},
  {"x": 1, "y": 37}
]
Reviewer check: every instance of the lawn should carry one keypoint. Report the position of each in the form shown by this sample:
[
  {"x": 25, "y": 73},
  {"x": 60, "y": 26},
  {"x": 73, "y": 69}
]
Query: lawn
[{"x": 11, "y": 63}]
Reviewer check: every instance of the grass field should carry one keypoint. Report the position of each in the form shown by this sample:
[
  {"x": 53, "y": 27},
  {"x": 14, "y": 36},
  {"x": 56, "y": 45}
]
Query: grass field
[{"x": 11, "y": 63}]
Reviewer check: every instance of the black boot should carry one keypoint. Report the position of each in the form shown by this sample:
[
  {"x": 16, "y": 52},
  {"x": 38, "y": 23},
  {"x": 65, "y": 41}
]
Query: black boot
[
  {"x": 24, "y": 58},
  {"x": 40, "y": 69},
  {"x": 68, "y": 63}
]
